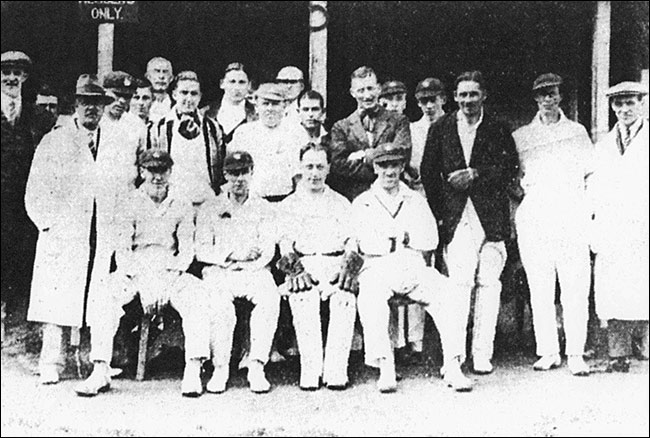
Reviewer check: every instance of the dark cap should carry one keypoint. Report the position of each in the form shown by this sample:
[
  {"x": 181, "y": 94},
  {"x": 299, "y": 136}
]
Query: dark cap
[
  {"x": 270, "y": 91},
  {"x": 388, "y": 152},
  {"x": 155, "y": 159},
  {"x": 120, "y": 82},
  {"x": 392, "y": 87},
  {"x": 547, "y": 80},
  {"x": 15, "y": 59},
  {"x": 88, "y": 86},
  {"x": 237, "y": 160},
  {"x": 627, "y": 88},
  {"x": 429, "y": 87}
]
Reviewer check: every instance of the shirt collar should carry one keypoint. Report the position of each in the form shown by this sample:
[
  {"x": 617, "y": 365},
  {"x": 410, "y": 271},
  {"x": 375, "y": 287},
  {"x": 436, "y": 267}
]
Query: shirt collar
[
  {"x": 462, "y": 121},
  {"x": 538, "y": 118},
  {"x": 634, "y": 128}
]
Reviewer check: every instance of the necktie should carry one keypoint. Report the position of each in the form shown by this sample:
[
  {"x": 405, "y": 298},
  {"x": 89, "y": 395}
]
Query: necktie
[
  {"x": 93, "y": 146},
  {"x": 368, "y": 118},
  {"x": 11, "y": 117},
  {"x": 627, "y": 138},
  {"x": 189, "y": 126}
]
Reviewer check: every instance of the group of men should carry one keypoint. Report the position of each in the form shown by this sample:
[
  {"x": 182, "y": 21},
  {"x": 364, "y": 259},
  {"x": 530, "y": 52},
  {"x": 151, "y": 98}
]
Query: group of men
[{"x": 141, "y": 182}]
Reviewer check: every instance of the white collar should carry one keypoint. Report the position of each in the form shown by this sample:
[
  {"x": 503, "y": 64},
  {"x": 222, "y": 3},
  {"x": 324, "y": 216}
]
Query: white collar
[{"x": 462, "y": 121}]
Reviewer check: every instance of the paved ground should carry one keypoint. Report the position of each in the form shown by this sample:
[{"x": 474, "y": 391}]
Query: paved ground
[{"x": 513, "y": 401}]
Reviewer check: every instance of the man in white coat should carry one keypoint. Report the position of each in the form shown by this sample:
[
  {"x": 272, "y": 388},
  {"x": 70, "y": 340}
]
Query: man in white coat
[
  {"x": 65, "y": 197},
  {"x": 620, "y": 238},
  {"x": 556, "y": 157}
]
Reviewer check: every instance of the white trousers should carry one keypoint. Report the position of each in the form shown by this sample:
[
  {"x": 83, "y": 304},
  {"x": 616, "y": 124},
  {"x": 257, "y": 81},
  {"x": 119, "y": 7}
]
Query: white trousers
[
  {"x": 549, "y": 249},
  {"x": 257, "y": 287},
  {"x": 407, "y": 326},
  {"x": 183, "y": 291},
  {"x": 406, "y": 274},
  {"x": 305, "y": 309},
  {"x": 475, "y": 264}
]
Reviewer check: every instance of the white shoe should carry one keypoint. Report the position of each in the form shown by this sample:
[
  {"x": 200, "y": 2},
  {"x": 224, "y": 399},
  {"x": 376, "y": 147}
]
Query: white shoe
[
  {"x": 256, "y": 378},
  {"x": 387, "y": 380},
  {"x": 454, "y": 378},
  {"x": 49, "y": 374},
  {"x": 217, "y": 383},
  {"x": 309, "y": 383},
  {"x": 482, "y": 366},
  {"x": 548, "y": 362},
  {"x": 99, "y": 381},
  {"x": 191, "y": 385},
  {"x": 577, "y": 365}
]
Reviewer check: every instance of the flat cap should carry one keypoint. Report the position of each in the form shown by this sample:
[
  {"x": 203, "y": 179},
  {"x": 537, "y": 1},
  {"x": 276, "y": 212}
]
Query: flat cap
[
  {"x": 627, "y": 88},
  {"x": 88, "y": 86},
  {"x": 155, "y": 158},
  {"x": 392, "y": 87},
  {"x": 120, "y": 82},
  {"x": 429, "y": 87},
  {"x": 290, "y": 73},
  {"x": 388, "y": 152},
  {"x": 15, "y": 59},
  {"x": 270, "y": 91},
  {"x": 547, "y": 80},
  {"x": 237, "y": 160}
]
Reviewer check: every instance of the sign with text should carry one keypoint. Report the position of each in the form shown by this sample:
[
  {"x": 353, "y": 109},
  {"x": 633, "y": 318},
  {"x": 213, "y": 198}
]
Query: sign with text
[{"x": 109, "y": 12}]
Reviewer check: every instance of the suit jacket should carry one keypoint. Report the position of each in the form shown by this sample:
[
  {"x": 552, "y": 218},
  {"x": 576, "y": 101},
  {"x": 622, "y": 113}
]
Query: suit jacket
[
  {"x": 212, "y": 109},
  {"x": 494, "y": 156},
  {"x": 352, "y": 177}
]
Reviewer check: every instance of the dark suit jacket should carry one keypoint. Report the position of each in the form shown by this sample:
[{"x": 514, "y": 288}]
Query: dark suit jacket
[
  {"x": 350, "y": 178},
  {"x": 212, "y": 109},
  {"x": 494, "y": 156}
]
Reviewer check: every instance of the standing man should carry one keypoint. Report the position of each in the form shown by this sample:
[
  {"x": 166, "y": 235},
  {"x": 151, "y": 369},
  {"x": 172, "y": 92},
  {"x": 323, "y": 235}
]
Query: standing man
[
  {"x": 234, "y": 109},
  {"x": 311, "y": 108},
  {"x": 430, "y": 95},
  {"x": 314, "y": 234},
  {"x": 142, "y": 100},
  {"x": 273, "y": 144},
  {"x": 393, "y": 96},
  {"x": 160, "y": 74},
  {"x": 355, "y": 137},
  {"x": 235, "y": 238},
  {"x": 195, "y": 142},
  {"x": 155, "y": 248},
  {"x": 621, "y": 227},
  {"x": 469, "y": 160},
  {"x": 294, "y": 82},
  {"x": 555, "y": 158},
  {"x": 22, "y": 128},
  {"x": 67, "y": 198},
  {"x": 394, "y": 228}
]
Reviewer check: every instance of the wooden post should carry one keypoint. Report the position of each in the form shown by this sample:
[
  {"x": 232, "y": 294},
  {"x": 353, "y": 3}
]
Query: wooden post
[
  {"x": 105, "y": 36},
  {"x": 600, "y": 71},
  {"x": 318, "y": 21}
]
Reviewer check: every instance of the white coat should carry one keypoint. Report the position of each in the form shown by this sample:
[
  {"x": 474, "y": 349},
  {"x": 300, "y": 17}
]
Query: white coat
[
  {"x": 620, "y": 194},
  {"x": 64, "y": 183}
]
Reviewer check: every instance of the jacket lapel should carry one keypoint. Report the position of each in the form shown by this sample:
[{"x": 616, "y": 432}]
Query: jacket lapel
[
  {"x": 381, "y": 124},
  {"x": 357, "y": 129},
  {"x": 455, "y": 148}
]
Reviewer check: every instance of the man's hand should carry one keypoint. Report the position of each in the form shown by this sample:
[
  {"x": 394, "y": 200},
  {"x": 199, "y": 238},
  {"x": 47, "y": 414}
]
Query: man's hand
[
  {"x": 301, "y": 282},
  {"x": 461, "y": 179},
  {"x": 245, "y": 255}
]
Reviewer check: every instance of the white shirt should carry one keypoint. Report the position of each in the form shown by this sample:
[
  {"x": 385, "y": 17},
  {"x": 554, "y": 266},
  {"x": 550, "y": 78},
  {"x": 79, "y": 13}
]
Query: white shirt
[
  {"x": 6, "y": 100},
  {"x": 467, "y": 134},
  {"x": 276, "y": 156},
  {"x": 419, "y": 131},
  {"x": 159, "y": 109},
  {"x": 230, "y": 115}
]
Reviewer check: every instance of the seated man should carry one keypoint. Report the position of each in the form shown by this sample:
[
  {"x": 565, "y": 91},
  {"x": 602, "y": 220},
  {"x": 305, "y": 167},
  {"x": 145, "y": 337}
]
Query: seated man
[
  {"x": 155, "y": 249},
  {"x": 315, "y": 231},
  {"x": 394, "y": 227},
  {"x": 235, "y": 237}
]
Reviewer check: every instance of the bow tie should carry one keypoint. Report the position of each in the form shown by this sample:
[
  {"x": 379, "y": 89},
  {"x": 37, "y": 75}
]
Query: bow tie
[{"x": 369, "y": 112}]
